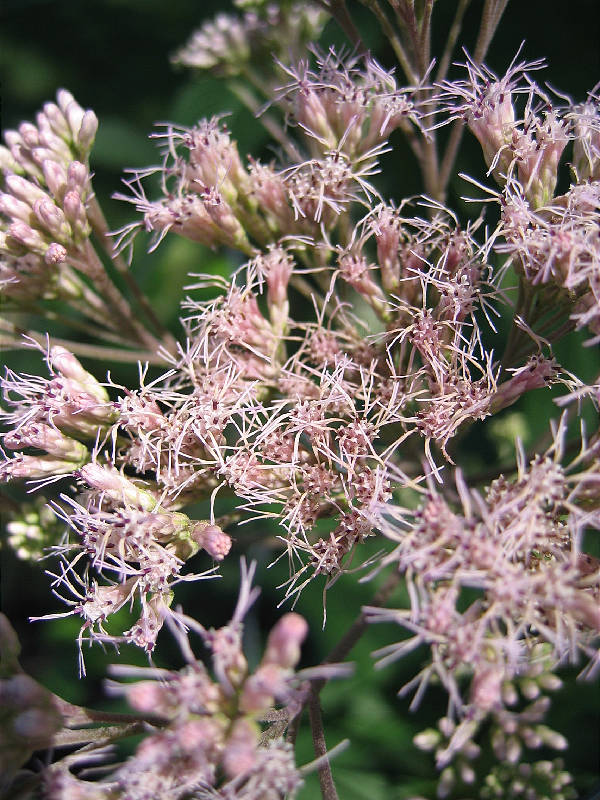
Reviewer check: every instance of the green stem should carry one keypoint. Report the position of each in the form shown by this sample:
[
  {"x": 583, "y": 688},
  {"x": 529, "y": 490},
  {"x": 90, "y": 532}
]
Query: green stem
[
  {"x": 328, "y": 790},
  {"x": 92, "y": 266},
  {"x": 95, "y": 351},
  {"x": 395, "y": 41},
  {"x": 100, "y": 227},
  {"x": 340, "y": 13},
  {"x": 490, "y": 18}
]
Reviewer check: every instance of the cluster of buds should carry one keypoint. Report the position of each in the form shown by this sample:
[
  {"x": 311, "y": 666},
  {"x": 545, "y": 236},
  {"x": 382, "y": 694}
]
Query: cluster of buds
[
  {"x": 228, "y": 44},
  {"x": 538, "y": 779},
  {"x": 552, "y": 241},
  {"x": 205, "y": 734},
  {"x": 211, "y": 198},
  {"x": 32, "y": 529},
  {"x": 557, "y": 250},
  {"x": 343, "y": 112},
  {"x": 45, "y": 192},
  {"x": 585, "y": 119},
  {"x": 511, "y": 731}
]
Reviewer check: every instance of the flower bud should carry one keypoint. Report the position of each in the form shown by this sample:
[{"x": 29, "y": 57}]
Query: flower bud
[
  {"x": 55, "y": 119},
  {"x": 116, "y": 485},
  {"x": 549, "y": 682},
  {"x": 7, "y": 161},
  {"x": 75, "y": 212},
  {"x": 261, "y": 688},
  {"x": 551, "y": 738},
  {"x": 55, "y": 177},
  {"x": 77, "y": 177},
  {"x": 72, "y": 111},
  {"x": 20, "y": 235},
  {"x": 55, "y": 254},
  {"x": 239, "y": 755},
  {"x": 14, "y": 208},
  {"x": 24, "y": 466},
  {"x": 87, "y": 132},
  {"x": 24, "y": 190},
  {"x": 45, "y": 437},
  {"x": 212, "y": 539},
  {"x": 70, "y": 367},
  {"x": 29, "y": 134},
  {"x": 427, "y": 740},
  {"x": 512, "y": 749},
  {"x": 52, "y": 219},
  {"x": 283, "y": 644}
]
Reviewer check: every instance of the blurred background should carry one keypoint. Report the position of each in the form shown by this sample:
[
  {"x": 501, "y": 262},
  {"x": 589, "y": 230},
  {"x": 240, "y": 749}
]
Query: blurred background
[{"x": 113, "y": 55}]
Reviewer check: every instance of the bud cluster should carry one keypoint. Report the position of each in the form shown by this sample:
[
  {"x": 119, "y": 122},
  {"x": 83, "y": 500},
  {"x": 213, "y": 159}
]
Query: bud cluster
[
  {"x": 43, "y": 202},
  {"x": 228, "y": 44}
]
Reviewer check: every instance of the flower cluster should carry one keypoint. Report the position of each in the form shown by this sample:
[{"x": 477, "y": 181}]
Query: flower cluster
[
  {"x": 326, "y": 389},
  {"x": 500, "y": 594},
  {"x": 230, "y": 43},
  {"x": 44, "y": 201},
  {"x": 204, "y": 735}
]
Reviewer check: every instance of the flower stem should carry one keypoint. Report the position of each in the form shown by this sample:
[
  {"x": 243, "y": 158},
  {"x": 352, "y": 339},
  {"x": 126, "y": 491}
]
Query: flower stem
[
  {"x": 328, "y": 790},
  {"x": 100, "y": 228}
]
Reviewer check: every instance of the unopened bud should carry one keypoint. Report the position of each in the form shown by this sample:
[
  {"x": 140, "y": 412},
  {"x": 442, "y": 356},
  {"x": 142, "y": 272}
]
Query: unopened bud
[
  {"x": 261, "y": 688},
  {"x": 55, "y": 119},
  {"x": 8, "y": 163},
  {"x": 510, "y": 696},
  {"x": 212, "y": 539},
  {"x": 75, "y": 211},
  {"x": 29, "y": 134},
  {"x": 108, "y": 479},
  {"x": 551, "y": 738},
  {"x": 77, "y": 177},
  {"x": 427, "y": 740},
  {"x": 56, "y": 178},
  {"x": 15, "y": 209},
  {"x": 72, "y": 110},
  {"x": 24, "y": 466},
  {"x": 283, "y": 644},
  {"x": 64, "y": 362},
  {"x": 52, "y": 219},
  {"x": 55, "y": 254},
  {"x": 19, "y": 234},
  {"x": 24, "y": 190},
  {"x": 45, "y": 437},
  {"x": 239, "y": 755},
  {"x": 87, "y": 132},
  {"x": 549, "y": 682},
  {"x": 529, "y": 688}
]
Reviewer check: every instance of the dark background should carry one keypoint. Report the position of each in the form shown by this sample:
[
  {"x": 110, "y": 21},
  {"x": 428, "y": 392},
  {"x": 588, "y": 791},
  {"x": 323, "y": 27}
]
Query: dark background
[{"x": 113, "y": 55}]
